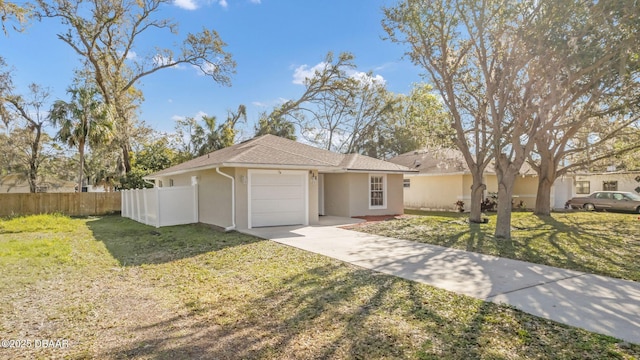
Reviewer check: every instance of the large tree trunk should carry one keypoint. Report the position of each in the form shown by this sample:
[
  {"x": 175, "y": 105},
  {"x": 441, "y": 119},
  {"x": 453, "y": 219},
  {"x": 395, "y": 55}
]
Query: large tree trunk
[
  {"x": 547, "y": 175},
  {"x": 33, "y": 177},
  {"x": 506, "y": 172},
  {"x": 33, "y": 160},
  {"x": 477, "y": 192},
  {"x": 126, "y": 159},
  {"x": 505, "y": 194},
  {"x": 543, "y": 196},
  {"x": 81, "y": 171}
]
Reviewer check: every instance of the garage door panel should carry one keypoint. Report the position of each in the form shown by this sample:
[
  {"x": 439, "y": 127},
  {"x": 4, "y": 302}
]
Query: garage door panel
[
  {"x": 271, "y": 219},
  {"x": 278, "y": 198},
  {"x": 276, "y": 192},
  {"x": 283, "y": 205},
  {"x": 276, "y": 179}
]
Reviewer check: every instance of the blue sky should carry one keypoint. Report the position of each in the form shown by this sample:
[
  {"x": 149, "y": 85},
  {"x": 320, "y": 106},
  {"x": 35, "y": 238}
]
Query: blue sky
[{"x": 272, "y": 41}]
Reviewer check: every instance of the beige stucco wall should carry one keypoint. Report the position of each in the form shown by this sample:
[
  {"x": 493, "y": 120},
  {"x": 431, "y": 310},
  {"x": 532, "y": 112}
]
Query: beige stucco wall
[
  {"x": 467, "y": 181},
  {"x": 347, "y": 195},
  {"x": 313, "y": 197},
  {"x": 525, "y": 189},
  {"x": 442, "y": 191},
  {"x": 336, "y": 195},
  {"x": 242, "y": 198},
  {"x": 434, "y": 192},
  {"x": 214, "y": 197}
]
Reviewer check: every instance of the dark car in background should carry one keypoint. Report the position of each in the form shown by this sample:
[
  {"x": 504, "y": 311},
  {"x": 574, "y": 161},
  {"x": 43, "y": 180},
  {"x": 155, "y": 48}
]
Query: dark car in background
[{"x": 608, "y": 200}]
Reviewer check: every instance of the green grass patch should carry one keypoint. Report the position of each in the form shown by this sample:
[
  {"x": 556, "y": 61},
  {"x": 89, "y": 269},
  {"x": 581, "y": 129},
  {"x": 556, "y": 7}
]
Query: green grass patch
[
  {"x": 37, "y": 223},
  {"x": 133, "y": 291},
  {"x": 594, "y": 242}
]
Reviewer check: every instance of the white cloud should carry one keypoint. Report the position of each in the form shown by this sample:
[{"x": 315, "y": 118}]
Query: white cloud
[
  {"x": 259, "y": 104},
  {"x": 205, "y": 69},
  {"x": 368, "y": 79},
  {"x": 303, "y": 72},
  {"x": 223, "y": 3},
  {"x": 255, "y": 1},
  {"x": 186, "y": 4},
  {"x": 177, "y": 117}
]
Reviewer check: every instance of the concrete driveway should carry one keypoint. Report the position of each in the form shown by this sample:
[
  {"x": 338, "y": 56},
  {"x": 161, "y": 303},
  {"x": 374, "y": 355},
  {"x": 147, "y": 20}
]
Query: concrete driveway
[{"x": 595, "y": 303}]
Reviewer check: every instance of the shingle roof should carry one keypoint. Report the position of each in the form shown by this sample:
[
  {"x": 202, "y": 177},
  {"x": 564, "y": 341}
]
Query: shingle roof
[
  {"x": 273, "y": 151},
  {"x": 443, "y": 161}
]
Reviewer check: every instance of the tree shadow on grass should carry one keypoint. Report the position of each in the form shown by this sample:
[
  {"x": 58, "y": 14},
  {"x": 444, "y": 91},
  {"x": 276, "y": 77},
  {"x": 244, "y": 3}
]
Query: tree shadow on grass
[
  {"x": 133, "y": 243},
  {"x": 579, "y": 247},
  {"x": 336, "y": 311},
  {"x": 478, "y": 238},
  {"x": 569, "y": 243}
]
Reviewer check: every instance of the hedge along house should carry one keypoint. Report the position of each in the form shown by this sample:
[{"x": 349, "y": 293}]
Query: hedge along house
[
  {"x": 443, "y": 178},
  {"x": 272, "y": 181}
]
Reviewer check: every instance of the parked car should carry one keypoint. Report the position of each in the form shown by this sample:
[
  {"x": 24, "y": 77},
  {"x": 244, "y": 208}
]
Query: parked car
[{"x": 607, "y": 200}]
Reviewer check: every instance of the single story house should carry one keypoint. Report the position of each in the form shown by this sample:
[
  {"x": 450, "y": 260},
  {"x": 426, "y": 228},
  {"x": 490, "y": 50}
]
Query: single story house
[
  {"x": 273, "y": 181},
  {"x": 443, "y": 178},
  {"x": 586, "y": 183},
  {"x": 18, "y": 183}
]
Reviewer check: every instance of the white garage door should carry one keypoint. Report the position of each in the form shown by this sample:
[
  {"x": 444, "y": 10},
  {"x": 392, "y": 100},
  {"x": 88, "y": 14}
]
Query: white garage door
[{"x": 277, "y": 197}]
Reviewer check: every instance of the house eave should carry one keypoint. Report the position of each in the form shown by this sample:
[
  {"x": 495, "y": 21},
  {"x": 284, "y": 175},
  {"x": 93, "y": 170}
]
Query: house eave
[
  {"x": 378, "y": 171},
  {"x": 245, "y": 165}
]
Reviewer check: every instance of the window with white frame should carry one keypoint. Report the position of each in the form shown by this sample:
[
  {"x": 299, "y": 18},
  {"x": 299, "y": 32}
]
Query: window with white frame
[
  {"x": 377, "y": 191},
  {"x": 406, "y": 183}
]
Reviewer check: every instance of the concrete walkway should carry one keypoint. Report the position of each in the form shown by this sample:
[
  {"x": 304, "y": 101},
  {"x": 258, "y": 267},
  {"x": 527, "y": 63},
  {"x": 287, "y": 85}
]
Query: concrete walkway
[{"x": 596, "y": 303}]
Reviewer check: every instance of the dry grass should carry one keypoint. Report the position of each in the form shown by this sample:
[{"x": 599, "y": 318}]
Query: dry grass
[{"x": 118, "y": 289}]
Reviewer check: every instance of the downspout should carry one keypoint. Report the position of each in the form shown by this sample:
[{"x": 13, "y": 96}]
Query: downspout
[
  {"x": 233, "y": 200},
  {"x": 153, "y": 184}
]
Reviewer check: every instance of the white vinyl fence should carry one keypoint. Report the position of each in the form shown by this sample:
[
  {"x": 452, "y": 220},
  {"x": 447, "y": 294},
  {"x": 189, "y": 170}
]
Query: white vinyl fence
[{"x": 164, "y": 206}]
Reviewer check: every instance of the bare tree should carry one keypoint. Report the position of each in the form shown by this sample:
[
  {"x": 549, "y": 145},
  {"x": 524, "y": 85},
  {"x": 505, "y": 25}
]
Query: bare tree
[
  {"x": 31, "y": 111},
  {"x": 491, "y": 59},
  {"x": 591, "y": 90},
  {"x": 105, "y": 34},
  {"x": 433, "y": 32},
  {"x": 327, "y": 81}
]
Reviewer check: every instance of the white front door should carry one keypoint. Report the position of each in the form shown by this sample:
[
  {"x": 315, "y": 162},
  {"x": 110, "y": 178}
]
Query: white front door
[{"x": 278, "y": 197}]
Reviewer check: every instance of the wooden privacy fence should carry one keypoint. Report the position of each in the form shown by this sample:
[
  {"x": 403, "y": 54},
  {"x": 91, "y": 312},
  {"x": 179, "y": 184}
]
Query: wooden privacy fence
[
  {"x": 72, "y": 204},
  {"x": 165, "y": 206}
]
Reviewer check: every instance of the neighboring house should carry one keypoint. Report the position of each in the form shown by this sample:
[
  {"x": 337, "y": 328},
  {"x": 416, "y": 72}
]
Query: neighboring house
[
  {"x": 17, "y": 183},
  {"x": 586, "y": 183},
  {"x": 443, "y": 178},
  {"x": 272, "y": 181}
]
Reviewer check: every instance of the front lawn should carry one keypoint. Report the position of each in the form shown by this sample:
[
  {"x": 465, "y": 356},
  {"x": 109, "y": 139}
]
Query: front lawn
[
  {"x": 114, "y": 288},
  {"x": 594, "y": 242}
]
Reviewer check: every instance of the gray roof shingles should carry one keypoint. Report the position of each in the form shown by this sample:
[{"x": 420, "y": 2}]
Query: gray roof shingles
[
  {"x": 270, "y": 150},
  {"x": 442, "y": 162}
]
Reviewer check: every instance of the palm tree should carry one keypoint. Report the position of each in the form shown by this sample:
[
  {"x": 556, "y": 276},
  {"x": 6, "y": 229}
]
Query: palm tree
[
  {"x": 84, "y": 120},
  {"x": 275, "y": 125}
]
